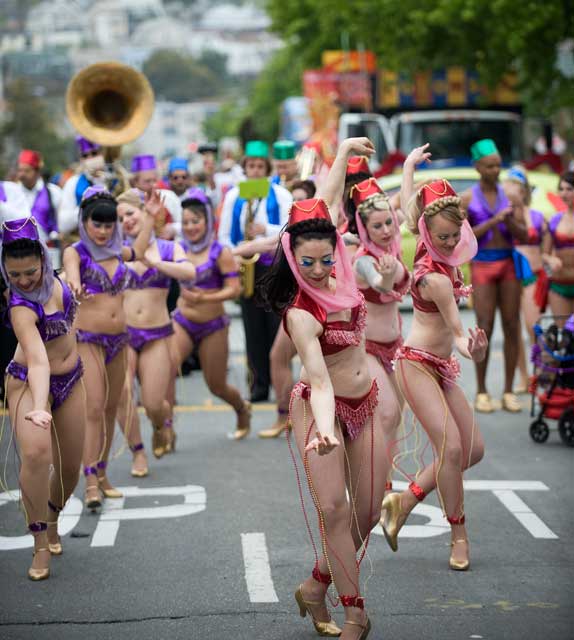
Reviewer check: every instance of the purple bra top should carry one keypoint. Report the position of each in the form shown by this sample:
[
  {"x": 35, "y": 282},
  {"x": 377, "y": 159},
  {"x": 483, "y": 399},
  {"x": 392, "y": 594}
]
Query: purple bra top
[
  {"x": 50, "y": 325},
  {"x": 560, "y": 240},
  {"x": 94, "y": 276},
  {"x": 208, "y": 275},
  {"x": 479, "y": 211},
  {"x": 152, "y": 278}
]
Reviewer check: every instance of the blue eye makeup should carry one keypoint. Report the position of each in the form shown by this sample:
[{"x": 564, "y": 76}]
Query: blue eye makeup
[{"x": 307, "y": 263}]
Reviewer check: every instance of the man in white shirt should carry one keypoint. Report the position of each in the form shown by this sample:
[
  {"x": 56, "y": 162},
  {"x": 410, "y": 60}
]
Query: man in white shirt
[
  {"x": 270, "y": 216},
  {"x": 43, "y": 199},
  {"x": 92, "y": 166},
  {"x": 145, "y": 178}
]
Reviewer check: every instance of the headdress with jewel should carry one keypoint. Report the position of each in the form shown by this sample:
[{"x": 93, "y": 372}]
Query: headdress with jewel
[{"x": 27, "y": 229}]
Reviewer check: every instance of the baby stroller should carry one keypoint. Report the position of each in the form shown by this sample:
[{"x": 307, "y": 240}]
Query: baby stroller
[{"x": 552, "y": 384}]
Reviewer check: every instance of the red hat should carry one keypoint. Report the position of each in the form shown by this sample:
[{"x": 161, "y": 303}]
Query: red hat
[
  {"x": 311, "y": 209},
  {"x": 435, "y": 190},
  {"x": 363, "y": 190},
  {"x": 31, "y": 158},
  {"x": 358, "y": 164}
]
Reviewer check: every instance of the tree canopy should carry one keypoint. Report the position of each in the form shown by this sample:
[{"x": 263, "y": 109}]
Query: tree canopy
[
  {"x": 29, "y": 125},
  {"x": 491, "y": 37},
  {"x": 178, "y": 77}
]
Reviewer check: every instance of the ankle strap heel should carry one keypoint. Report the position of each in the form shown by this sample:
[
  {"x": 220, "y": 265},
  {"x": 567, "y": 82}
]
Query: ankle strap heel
[
  {"x": 323, "y": 578},
  {"x": 37, "y": 527},
  {"x": 136, "y": 447}
]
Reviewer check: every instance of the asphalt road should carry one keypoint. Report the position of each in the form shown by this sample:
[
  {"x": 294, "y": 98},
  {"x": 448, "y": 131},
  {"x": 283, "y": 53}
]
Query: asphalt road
[{"x": 212, "y": 544}]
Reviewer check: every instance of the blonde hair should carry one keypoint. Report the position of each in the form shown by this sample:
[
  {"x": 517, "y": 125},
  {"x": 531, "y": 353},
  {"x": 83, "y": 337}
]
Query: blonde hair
[
  {"x": 131, "y": 197},
  {"x": 378, "y": 201},
  {"x": 449, "y": 207}
]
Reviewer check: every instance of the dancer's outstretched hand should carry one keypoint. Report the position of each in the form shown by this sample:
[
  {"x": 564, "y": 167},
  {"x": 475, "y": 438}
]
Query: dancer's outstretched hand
[
  {"x": 477, "y": 344},
  {"x": 359, "y": 146},
  {"x": 418, "y": 155},
  {"x": 39, "y": 418},
  {"x": 387, "y": 265},
  {"x": 322, "y": 444},
  {"x": 154, "y": 203}
]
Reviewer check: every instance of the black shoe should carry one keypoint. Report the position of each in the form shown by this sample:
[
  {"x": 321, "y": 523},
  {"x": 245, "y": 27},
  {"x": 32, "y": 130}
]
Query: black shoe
[{"x": 259, "y": 395}]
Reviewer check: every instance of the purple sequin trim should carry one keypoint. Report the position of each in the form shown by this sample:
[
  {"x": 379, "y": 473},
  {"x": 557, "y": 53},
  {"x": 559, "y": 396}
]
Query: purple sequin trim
[
  {"x": 97, "y": 276},
  {"x": 112, "y": 343},
  {"x": 37, "y": 527}
]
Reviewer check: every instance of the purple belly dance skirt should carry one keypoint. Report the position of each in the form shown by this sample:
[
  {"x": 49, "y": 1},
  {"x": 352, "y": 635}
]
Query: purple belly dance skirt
[
  {"x": 140, "y": 337},
  {"x": 61, "y": 385},
  {"x": 197, "y": 331},
  {"x": 112, "y": 343}
]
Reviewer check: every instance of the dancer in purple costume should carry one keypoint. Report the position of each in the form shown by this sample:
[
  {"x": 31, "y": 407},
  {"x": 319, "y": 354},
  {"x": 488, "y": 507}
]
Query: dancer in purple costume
[
  {"x": 149, "y": 329},
  {"x": 200, "y": 318},
  {"x": 46, "y": 402},
  {"x": 95, "y": 266}
]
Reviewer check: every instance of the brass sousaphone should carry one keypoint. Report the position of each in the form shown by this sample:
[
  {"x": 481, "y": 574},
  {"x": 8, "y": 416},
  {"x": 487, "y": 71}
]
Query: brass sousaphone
[{"x": 111, "y": 104}]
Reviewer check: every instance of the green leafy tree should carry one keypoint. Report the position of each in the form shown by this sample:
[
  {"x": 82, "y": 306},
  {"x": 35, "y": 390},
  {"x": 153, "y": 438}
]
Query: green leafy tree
[
  {"x": 492, "y": 37},
  {"x": 29, "y": 125},
  {"x": 178, "y": 77}
]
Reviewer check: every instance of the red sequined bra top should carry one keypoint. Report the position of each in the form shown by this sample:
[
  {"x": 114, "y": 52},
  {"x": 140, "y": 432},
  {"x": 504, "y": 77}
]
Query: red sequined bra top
[
  {"x": 337, "y": 334},
  {"x": 398, "y": 291},
  {"x": 424, "y": 265}
]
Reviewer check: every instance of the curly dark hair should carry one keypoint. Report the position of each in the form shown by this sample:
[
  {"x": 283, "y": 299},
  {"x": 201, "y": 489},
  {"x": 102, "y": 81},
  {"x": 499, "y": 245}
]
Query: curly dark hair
[
  {"x": 101, "y": 207},
  {"x": 194, "y": 205},
  {"x": 348, "y": 204},
  {"x": 276, "y": 290},
  {"x": 22, "y": 248}
]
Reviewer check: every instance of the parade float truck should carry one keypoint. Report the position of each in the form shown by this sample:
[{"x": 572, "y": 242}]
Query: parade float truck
[{"x": 351, "y": 96}]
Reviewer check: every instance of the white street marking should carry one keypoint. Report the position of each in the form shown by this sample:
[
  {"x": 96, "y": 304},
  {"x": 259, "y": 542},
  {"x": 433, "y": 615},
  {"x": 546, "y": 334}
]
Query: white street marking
[
  {"x": 69, "y": 518},
  {"x": 257, "y": 569},
  {"x": 195, "y": 500},
  {"x": 529, "y": 520}
]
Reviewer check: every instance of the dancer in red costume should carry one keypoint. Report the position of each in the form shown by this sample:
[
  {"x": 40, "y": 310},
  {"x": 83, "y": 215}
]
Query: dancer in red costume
[
  {"x": 383, "y": 279},
  {"x": 334, "y": 406},
  {"x": 426, "y": 368}
]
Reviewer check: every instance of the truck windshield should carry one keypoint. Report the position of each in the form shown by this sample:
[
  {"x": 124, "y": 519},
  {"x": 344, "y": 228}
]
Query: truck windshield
[
  {"x": 371, "y": 130},
  {"x": 451, "y": 140}
]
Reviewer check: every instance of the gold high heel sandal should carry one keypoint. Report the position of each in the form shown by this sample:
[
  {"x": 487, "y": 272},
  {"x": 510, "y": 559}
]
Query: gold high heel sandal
[
  {"x": 242, "y": 430},
  {"x": 109, "y": 492},
  {"x": 39, "y": 574},
  {"x": 55, "y": 548},
  {"x": 135, "y": 472},
  {"x": 158, "y": 443},
  {"x": 326, "y": 629},
  {"x": 458, "y": 565},
  {"x": 390, "y": 521},
  {"x": 366, "y": 627}
]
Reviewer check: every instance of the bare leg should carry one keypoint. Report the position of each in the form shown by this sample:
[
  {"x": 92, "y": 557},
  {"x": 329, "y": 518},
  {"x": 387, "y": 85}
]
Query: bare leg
[
  {"x": 129, "y": 422},
  {"x": 95, "y": 380},
  {"x": 484, "y": 297},
  {"x": 67, "y": 446},
  {"x": 213, "y": 355},
  {"x": 530, "y": 310},
  {"x": 34, "y": 445},
  {"x": 559, "y": 305},
  {"x": 389, "y": 410},
  {"x": 116, "y": 377},
  {"x": 282, "y": 353},
  {"x": 180, "y": 346},
  {"x": 327, "y": 477},
  {"x": 154, "y": 371},
  {"x": 448, "y": 420},
  {"x": 509, "y": 304}
]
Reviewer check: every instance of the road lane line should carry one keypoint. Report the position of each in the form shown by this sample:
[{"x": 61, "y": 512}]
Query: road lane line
[
  {"x": 257, "y": 569},
  {"x": 522, "y": 512}
]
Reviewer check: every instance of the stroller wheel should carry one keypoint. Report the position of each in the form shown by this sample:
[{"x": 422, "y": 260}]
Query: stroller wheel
[
  {"x": 566, "y": 427},
  {"x": 539, "y": 431}
]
